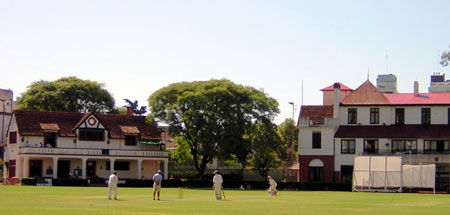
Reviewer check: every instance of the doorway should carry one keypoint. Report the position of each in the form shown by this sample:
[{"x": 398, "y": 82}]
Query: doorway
[
  {"x": 63, "y": 168},
  {"x": 36, "y": 168},
  {"x": 91, "y": 169}
]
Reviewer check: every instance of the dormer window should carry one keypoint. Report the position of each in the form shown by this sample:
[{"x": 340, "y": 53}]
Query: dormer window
[
  {"x": 131, "y": 140},
  {"x": 91, "y": 135},
  {"x": 131, "y": 135}
]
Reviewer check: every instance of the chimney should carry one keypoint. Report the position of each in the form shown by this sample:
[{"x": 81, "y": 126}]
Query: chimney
[
  {"x": 130, "y": 111},
  {"x": 337, "y": 99},
  {"x": 416, "y": 88}
]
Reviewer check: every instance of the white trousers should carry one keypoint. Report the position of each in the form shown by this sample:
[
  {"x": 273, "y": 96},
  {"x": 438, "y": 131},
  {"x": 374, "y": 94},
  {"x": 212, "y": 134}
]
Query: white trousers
[
  {"x": 218, "y": 191},
  {"x": 112, "y": 189}
]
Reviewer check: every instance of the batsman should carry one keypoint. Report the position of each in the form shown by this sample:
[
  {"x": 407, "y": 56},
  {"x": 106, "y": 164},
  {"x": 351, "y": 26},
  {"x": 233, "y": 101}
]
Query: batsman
[{"x": 217, "y": 184}]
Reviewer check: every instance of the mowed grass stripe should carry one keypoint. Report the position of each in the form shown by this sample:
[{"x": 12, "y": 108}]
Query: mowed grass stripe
[{"x": 138, "y": 201}]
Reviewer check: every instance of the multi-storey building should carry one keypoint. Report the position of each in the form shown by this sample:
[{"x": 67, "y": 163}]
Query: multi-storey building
[
  {"x": 366, "y": 121},
  {"x": 6, "y": 108},
  {"x": 82, "y": 145}
]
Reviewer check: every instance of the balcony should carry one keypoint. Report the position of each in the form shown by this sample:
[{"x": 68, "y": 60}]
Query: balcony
[
  {"x": 91, "y": 152},
  {"x": 318, "y": 122}
]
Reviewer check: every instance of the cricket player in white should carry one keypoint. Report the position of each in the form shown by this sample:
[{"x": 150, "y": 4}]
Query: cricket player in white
[
  {"x": 273, "y": 186},
  {"x": 157, "y": 178},
  {"x": 112, "y": 185},
  {"x": 217, "y": 183}
]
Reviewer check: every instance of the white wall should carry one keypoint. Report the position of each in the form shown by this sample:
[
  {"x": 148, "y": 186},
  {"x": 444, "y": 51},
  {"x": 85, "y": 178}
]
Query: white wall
[
  {"x": 387, "y": 114},
  {"x": 305, "y": 141}
]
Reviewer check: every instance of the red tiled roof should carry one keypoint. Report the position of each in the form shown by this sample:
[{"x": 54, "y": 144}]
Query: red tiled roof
[
  {"x": 129, "y": 129},
  {"x": 29, "y": 123},
  {"x": 393, "y": 131},
  {"x": 366, "y": 94},
  {"x": 342, "y": 87},
  {"x": 49, "y": 126},
  {"x": 295, "y": 166},
  {"x": 422, "y": 99},
  {"x": 316, "y": 113}
]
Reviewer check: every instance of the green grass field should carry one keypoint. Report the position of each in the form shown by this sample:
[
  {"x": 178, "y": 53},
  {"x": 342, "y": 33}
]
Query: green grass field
[{"x": 135, "y": 201}]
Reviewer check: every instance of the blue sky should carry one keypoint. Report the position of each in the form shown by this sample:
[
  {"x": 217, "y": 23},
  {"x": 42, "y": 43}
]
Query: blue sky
[{"x": 137, "y": 47}]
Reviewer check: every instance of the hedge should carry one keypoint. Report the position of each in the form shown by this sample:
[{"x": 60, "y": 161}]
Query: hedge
[
  {"x": 236, "y": 184},
  {"x": 196, "y": 183}
]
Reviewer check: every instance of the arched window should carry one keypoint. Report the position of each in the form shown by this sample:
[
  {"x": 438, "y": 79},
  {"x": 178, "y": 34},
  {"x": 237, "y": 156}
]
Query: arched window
[{"x": 316, "y": 170}]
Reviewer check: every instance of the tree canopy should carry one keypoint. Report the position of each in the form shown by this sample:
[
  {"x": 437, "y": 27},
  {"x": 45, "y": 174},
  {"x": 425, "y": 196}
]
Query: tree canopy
[
  {"x": 266, "y": 145},
  {"x": 288, "y": 136},
  {"x": 212, "y": 116},
  {"x": 68, "y": 94},
  {"x": 445, "y": 58}
]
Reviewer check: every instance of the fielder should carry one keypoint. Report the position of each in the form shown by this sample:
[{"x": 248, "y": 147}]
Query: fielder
[
  {"x": 112, "y": 185},
  {"x": 157, "y": 178},
  {"x": 273, "y": 186},
  {"x": 217, "y": 184}
]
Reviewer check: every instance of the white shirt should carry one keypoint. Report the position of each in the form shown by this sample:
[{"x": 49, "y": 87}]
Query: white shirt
[
  {"x": 217, "y": 179},
  {"x": 157, "y": 178},
  {"x": 272, "y": 182},
  {"x": 113, "y": 180}
]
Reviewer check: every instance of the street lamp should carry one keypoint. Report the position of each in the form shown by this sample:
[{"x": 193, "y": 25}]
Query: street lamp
[{"x": 293, "y": 111}]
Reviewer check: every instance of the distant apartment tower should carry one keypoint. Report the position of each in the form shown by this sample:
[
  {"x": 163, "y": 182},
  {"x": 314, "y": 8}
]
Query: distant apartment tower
[
  {"x": 438, "y": 84},
  {"x": 387, "y": 83}
]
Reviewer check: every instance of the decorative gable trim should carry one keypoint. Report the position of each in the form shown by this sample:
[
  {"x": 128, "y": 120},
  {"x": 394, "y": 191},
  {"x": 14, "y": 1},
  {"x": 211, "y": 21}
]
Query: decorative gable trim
[{"x": 89, "y": 120}]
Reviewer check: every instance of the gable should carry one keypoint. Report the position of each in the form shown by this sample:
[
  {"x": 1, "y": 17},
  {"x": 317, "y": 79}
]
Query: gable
[
  {"x": 91, "y": 121},
  {"x": 366, "y": 94}
]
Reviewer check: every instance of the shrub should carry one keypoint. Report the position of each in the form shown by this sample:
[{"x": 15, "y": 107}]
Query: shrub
[
  {"x": 70, "y": 182},
  {"x": 28, "y": 181}
]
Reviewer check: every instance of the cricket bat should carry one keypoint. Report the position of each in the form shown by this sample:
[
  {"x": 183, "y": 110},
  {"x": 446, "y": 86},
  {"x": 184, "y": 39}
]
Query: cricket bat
[{"x": 223, "y": 193}]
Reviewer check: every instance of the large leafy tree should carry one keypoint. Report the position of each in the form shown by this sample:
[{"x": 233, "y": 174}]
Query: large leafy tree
[
  {"x": 265, "y": 145},
  {"x": 69, "y": 94},
  {"x": 212, "y": 116},
  {"x": 288, "y": 136}
]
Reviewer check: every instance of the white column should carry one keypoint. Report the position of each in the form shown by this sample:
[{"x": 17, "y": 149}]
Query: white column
[
  {"x": 55, "y": 167},
  {"x": 166, "y": 168},
  {"x": 26, "y": 167},
  {"x": 139, "y": 168},
  {"x": 83, "y": 168},
  {"x": 111, "y": 165}
]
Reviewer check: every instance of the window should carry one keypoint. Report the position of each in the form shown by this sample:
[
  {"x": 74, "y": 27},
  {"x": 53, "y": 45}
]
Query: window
[
  {"x": 352, "y": 115},
  {"x": 426, "y": 116},
  {"x": 399, "y": 116},
  {"x": 374, "y": 115},
  {"x": 347, "y": 146},
  {"x": 91, "y": 135},
  {"x": 316, "y": 140},
  {"x": 371, "y": 146},
  {"x": 436, "y": 146},
  {"x": 119, "y": 165},
  {"x": 404, "y": 146},
  {"x": 130, "y": 140},
  {"x": 315, "y": 174},
  {"x": 12, "y": 168},
  {"x": 346, "y": 173},
  {"x": 448, "y": 116},
  {"x": 50, "y": 139},
  {"x": 13, "y": 137}
]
